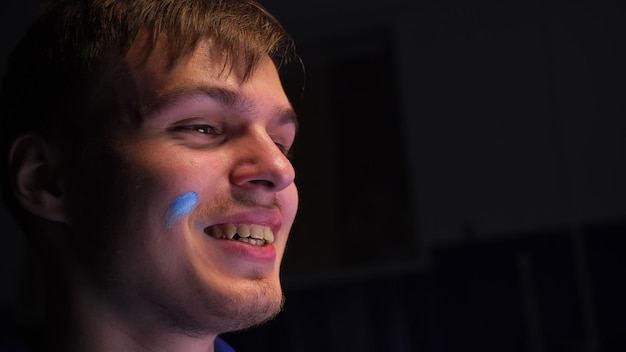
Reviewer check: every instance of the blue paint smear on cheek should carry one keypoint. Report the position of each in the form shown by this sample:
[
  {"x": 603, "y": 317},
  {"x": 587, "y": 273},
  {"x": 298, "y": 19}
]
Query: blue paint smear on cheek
[{"x": 180, "y": 207}]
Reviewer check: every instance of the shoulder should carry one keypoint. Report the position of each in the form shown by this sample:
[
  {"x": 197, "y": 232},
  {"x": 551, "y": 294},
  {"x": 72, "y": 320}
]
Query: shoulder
[{"x": 222, "y": 346}]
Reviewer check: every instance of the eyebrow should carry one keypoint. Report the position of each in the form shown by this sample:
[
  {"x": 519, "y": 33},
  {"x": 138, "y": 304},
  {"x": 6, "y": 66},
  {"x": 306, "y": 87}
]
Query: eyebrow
[{"x": 226, "y": 97}]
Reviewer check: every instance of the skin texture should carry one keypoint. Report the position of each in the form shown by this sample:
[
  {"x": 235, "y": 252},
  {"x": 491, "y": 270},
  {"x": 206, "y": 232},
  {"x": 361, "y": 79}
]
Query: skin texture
[{"x": 144, "y": 275}]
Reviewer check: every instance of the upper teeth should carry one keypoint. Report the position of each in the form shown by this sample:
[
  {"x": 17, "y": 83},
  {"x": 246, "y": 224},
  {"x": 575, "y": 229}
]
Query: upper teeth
[{"x": 253, "y": 234}]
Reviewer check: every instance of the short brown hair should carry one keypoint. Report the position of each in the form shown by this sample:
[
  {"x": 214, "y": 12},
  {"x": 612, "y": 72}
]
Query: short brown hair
[{"x": 50, "y": 74}]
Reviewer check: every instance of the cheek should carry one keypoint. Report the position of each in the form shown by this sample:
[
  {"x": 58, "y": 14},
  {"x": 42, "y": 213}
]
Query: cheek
[
  {"x": 289, "y": 203},
  {"x": 181, "y": 206}
]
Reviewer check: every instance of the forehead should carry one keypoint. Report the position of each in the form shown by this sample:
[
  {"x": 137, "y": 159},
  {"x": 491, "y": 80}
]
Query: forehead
[
  {"x": 153, "y": 67},
  {"x": 203, "y": 73}
]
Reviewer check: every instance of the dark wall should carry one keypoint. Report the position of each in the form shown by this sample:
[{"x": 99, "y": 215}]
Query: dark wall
[{"x": 481, "y": 143}]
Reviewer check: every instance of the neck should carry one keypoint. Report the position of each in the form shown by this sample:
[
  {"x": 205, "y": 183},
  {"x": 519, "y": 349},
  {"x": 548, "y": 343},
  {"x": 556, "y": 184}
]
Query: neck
[{"x": 97, "y": 325}]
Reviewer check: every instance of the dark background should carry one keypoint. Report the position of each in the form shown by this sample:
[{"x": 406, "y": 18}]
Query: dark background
[{"x": 462, "y": 175}]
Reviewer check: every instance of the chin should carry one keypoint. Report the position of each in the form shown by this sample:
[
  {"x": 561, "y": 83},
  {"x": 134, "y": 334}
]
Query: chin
[
  {"x": 252, "y": 306},
  {"x": 257, "y": 315},
  {"x": 233, "y": 306}
]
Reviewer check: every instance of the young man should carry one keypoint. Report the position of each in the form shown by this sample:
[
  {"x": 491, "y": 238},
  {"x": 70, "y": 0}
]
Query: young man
[{"x": 145, "y": 152}]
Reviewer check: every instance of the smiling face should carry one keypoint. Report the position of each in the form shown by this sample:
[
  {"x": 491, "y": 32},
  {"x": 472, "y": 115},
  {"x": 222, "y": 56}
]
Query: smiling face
[{"x": 185, "y": 211}]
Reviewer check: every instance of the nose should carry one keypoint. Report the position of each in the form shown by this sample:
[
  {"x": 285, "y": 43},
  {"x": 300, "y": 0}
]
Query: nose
[{"x": 260, "y": 163}]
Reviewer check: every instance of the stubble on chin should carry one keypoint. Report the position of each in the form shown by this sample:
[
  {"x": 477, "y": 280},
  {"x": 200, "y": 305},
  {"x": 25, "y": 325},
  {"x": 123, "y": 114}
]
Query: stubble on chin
[{"x": 226, "y": 313}]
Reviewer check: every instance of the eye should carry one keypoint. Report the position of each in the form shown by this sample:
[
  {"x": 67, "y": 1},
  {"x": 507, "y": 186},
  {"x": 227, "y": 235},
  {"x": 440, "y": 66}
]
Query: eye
[
  {"x": 198, "y": 135},
  {"x": 284, "y": 149},
  {"x": 283, "y": 137},
  {"x": 202, "y": 129}
]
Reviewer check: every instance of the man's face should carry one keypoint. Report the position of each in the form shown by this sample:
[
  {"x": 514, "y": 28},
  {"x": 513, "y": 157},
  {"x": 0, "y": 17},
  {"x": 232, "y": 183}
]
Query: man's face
[{"x": 161, "y": 201}]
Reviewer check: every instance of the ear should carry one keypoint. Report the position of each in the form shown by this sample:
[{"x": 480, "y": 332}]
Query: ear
[{"x": 34, "y": 165}]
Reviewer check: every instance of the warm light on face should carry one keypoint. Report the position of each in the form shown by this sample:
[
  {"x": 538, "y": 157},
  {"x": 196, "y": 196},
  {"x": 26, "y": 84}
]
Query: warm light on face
[{"x": 206, "y": 156}]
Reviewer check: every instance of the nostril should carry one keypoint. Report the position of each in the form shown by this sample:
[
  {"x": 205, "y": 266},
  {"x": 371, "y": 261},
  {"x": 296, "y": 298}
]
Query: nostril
[{"x": 263, "y": 183}]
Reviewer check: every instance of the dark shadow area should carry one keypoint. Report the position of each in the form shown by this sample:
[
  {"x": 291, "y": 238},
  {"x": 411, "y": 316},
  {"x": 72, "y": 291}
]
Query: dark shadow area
[{"x": 521, "y": 294}]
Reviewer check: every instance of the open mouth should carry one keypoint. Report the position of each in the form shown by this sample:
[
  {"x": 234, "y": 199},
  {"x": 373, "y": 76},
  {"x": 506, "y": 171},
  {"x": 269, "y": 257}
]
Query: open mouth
[{"x": 257, "y": 235}]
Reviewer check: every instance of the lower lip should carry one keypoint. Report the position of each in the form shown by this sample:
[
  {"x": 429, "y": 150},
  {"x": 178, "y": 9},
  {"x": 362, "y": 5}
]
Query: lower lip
[{"x": 263, "y": 254}]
